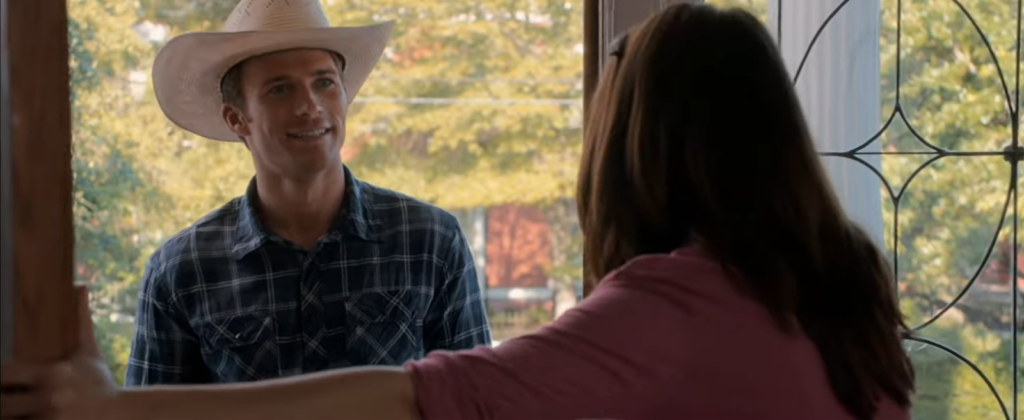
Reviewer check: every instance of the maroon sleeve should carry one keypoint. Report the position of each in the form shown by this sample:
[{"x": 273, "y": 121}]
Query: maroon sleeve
[{"x": 595, "y": 361}]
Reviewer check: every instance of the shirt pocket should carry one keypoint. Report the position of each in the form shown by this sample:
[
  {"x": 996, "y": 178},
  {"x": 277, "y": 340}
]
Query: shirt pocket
[
  {"x": 241, "y": 347},
  {"x": 384, "y": 327}
]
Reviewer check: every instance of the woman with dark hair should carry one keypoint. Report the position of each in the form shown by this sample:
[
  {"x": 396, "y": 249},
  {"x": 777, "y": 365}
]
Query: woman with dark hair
[{"x": 732, "y": 286}]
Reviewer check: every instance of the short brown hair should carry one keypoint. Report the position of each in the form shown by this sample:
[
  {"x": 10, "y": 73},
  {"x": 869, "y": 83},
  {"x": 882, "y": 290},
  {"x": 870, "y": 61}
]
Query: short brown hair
[
  {"x": 697, "y": 137},
  {"x": 231, "y": 84}
]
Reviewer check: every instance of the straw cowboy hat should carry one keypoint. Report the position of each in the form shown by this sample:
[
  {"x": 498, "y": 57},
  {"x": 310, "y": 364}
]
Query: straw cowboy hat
[{"x": 188, "y": 70}]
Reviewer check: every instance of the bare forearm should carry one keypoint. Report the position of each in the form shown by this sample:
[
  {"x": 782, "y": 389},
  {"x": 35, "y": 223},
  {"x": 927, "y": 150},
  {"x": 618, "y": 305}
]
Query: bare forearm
[{"x": 365, "y": 393}]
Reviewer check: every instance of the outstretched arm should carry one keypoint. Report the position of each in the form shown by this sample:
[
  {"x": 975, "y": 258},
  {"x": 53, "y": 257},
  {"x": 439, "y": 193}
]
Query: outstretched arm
[
  {"x": 587, "y": 364},
  {"x": 593, "y": 362},
  {"x": 384, "y": 393},
  {"x": 83, "y": 389}
]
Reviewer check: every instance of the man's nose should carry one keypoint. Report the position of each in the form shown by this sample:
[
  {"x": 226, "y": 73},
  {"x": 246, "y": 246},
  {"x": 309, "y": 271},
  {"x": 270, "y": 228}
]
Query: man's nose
[{"x": 308, "y": 103}]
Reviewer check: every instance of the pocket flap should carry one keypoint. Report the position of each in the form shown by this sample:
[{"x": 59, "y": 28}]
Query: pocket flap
[
  {"x": 389, "y": 305},
  {"x": 237, "y": 330}
]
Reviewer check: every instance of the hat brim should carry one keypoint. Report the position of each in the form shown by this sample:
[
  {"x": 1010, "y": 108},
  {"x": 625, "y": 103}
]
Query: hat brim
[{"x": 188, "y": 70}]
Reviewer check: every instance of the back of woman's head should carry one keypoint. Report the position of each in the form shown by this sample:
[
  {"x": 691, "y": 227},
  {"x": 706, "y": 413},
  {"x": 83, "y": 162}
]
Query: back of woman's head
[{"x": 696, "y": 135}]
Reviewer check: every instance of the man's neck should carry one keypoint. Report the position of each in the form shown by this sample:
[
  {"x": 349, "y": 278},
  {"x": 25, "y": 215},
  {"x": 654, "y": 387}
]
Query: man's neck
[{"x": 301, "y": 211}]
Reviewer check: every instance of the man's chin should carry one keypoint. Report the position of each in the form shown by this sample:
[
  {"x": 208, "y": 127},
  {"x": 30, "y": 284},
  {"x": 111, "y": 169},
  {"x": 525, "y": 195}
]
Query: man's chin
[{"x": 305, "y": 166}]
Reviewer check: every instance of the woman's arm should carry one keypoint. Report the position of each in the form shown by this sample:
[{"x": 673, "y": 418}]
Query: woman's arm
[
  {"x": 384, "y": 393},
  {"x": 604, "y": 359},
  {"x": 82, "y": 388}
]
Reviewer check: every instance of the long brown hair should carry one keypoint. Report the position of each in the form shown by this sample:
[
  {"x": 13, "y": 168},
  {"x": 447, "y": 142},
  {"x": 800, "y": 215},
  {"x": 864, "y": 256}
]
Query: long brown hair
[{"x": 696, "y": 134}]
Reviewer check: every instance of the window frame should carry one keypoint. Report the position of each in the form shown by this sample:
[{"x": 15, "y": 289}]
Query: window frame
[{"x": 38, "y": 316}]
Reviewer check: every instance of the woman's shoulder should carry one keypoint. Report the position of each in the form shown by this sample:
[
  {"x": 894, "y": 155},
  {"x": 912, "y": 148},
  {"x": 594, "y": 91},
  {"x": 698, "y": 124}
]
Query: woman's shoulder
[
  {"x": 683, "y": 263},
  {"x": 685, "y": 273}
]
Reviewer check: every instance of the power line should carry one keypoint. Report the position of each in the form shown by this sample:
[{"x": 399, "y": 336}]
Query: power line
[
  {"x": 468, "y": 101},
  {"x": 526, "y": 81}
]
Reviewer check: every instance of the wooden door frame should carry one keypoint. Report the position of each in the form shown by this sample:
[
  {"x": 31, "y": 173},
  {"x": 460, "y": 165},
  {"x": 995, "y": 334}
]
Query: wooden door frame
[
  {"x": 39, "y": 245},
  {"x": 591, "y": 52},
  {"x": 6, "y": 247}
]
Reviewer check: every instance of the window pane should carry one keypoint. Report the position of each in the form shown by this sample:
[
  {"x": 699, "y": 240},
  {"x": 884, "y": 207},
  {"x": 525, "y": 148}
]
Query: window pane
[
  {"x": 476, "y": 107},
  {"x": 945, "y": 79},
  {"x": 949, "y": 237}
]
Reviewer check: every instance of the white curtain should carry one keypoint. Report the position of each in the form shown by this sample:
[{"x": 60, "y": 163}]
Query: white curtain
[{"x": 839, "y": 88}]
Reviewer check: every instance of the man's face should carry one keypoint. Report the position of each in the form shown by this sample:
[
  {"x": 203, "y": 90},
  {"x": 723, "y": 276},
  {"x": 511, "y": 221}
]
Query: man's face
[{"x": 294, "y": 114}]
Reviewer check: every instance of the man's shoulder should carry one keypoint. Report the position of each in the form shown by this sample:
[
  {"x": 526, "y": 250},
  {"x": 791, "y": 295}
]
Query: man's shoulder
[
  {"x": 209, "y": 235},
  {"x": 394, "y": 208}
]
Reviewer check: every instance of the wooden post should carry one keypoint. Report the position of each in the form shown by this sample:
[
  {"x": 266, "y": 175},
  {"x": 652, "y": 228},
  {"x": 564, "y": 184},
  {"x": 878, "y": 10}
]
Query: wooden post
[
  {"x": 40, "y": 187},
  {"x": 6, "y": 234},
  {"x": 591, "y": 52}
]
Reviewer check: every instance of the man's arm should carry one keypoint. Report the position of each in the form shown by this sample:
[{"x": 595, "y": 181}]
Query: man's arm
[
  {"x": 165, "y": 350},
  {"x": 457, "y": 318}
]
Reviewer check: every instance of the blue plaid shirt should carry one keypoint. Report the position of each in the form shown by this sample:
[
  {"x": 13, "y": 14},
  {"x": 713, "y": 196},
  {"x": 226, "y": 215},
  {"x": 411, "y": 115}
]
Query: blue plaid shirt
[{"x": 227, "y": 301}]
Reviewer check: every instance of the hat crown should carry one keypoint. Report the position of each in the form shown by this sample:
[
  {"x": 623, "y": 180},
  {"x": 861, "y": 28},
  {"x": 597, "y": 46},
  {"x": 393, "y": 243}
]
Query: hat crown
[{"x": 276, "y": 15}]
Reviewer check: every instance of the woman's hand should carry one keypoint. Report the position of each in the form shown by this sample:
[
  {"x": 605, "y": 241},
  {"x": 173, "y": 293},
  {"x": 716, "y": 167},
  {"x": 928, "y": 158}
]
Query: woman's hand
[{"x": 81, "y": 388}]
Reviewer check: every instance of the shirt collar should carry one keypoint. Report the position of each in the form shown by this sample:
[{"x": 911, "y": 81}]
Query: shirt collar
[{"x": 355, "y": 217}]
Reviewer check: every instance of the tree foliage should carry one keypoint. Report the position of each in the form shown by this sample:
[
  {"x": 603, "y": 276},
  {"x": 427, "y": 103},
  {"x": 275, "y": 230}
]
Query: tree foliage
[
  {"x": 951, "y": 92},
  {"x": 474, "y": 104}
]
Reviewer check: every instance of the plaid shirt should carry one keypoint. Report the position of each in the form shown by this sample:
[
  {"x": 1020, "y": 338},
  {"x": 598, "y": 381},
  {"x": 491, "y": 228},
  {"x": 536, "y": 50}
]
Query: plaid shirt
[{"x": 227, "y": 301}]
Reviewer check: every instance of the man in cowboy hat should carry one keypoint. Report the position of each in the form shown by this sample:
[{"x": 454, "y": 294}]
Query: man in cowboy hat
[{"x": 311, "y": 268}]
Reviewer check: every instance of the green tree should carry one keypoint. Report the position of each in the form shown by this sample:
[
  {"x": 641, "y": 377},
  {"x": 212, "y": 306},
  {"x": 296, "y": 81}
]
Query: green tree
[
  {"x": 111, "y": 188},
  {"x": 474, "y": 104},
  {"x": 952, "y": 95}
]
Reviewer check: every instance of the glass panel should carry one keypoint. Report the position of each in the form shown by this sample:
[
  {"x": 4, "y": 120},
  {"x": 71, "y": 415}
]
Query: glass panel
[
  {"x": 951, "y": 91},
  {"x": 945, "y": 239},
  {"x": 948, "y": 388},
  {"x": 954, "y": 255},
  {"x": 476, "y": 107},
  {"x": 954, "y": 250}
]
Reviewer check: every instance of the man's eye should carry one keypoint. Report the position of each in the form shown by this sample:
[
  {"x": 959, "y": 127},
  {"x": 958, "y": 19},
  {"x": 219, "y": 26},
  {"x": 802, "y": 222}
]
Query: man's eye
[
  {"x": 326, "y": 83},
  {"x": 279, "y": 89}
]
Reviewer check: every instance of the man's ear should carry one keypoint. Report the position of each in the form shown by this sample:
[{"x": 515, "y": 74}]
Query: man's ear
[
  {"x": 235, "y": 119},
  {"x": 344, "y": 98}
]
